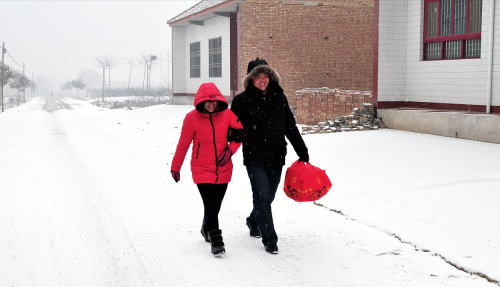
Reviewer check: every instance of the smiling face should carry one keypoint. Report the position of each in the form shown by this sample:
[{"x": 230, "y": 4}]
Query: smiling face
[
  {"x": 261, "y": 82},
  {"x": 210, "y": 106}
]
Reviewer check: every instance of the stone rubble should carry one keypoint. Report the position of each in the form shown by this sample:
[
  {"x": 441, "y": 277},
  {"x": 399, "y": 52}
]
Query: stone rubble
[{"x": 360, "y": 119}]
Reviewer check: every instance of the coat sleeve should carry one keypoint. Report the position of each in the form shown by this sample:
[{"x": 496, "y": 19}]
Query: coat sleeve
[
  {"x": 185, "y": 140},
  {"x": 236, "y": 106},
  {"x": 293, "y": 134},
  {"x": 234, "y": 123}
]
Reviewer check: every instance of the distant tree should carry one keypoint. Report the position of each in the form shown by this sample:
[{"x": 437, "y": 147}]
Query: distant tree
[
  {"x": 112, "y": 63},
  {"x": 19, "y": 82},
  {"x": 132, "y": 63},
  {"x": 147, "y": 60},
  {"x": 88, "y": 77},
  {"x": 78, "y": 85},
  {"x": 102, "y": 62},
  {"x": 6, "y": 77},
  {"x": 69, "y": 87}
]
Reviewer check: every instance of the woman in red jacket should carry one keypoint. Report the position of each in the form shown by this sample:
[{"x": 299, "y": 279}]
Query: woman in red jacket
[{"x": 207, "y": 127}]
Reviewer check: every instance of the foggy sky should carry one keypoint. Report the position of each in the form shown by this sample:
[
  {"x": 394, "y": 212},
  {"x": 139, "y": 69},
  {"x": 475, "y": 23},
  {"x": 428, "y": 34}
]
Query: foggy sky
[{"x": 55, "y": 39}]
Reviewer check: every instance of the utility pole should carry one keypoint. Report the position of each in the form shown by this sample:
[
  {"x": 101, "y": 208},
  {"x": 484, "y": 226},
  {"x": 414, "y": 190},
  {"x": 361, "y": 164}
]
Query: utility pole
[
  {"x": 24, "y": 90},
  {"x": 3, "y": 52},
  {"x": 32, "y": 76}
]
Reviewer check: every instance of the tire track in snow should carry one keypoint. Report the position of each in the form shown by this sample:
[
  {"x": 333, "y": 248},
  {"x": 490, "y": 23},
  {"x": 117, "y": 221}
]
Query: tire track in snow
[{"x": 458, "y": 267}]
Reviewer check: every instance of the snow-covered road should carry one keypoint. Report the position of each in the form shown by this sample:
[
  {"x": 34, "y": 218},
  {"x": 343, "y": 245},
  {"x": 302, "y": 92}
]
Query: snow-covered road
[{"x": 86, "y": 199}]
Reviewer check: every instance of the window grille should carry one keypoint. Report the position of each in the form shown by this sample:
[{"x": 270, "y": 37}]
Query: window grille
[
  {"x": 452, "y": 29},
  {"x": 194, "y": 60},
  {"x": 215, "y": 57}
]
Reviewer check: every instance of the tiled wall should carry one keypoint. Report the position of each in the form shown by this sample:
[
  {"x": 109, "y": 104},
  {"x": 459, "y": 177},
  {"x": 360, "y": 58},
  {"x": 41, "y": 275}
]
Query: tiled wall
[{"x": 404, "y": 76}]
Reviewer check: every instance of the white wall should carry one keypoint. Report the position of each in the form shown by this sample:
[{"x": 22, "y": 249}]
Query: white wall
[
  {"x": 212, "y": 28},
  {"x": 404, "y": 76},
  {"x": 178, "y": 59}
]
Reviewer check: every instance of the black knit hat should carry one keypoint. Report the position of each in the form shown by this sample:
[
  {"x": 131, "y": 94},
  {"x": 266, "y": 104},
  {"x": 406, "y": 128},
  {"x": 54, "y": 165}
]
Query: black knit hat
[{"x": 253, "y": 64}]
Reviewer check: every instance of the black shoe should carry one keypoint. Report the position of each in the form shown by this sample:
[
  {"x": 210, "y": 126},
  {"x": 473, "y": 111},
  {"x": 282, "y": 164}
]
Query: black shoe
[
  {"x": 271, "y": 247},
  {"x": 215, "y": 237},
  {"x": 204, "y": 232},
  {"x": 254, "y": 229}
]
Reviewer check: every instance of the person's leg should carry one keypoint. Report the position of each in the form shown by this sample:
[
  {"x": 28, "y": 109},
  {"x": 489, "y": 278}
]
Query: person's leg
[
  {"x": 264, "y": 185},
  {"x": 212, "y": 196}
]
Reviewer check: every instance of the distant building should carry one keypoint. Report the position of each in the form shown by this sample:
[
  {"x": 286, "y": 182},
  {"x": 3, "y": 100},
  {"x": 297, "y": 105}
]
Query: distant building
[{"x": 310, "y": 43}]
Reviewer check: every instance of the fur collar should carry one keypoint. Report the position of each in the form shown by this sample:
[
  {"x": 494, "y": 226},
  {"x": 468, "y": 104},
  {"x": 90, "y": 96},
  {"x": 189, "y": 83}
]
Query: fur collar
[{"x": 273, "y": 75}]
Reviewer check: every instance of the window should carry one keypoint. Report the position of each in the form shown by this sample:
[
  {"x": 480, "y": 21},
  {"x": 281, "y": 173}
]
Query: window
[
  {"x": 215, "y": 57},
  {"x": 194, "y": 59},
  {"x": 452, "y": 29}
]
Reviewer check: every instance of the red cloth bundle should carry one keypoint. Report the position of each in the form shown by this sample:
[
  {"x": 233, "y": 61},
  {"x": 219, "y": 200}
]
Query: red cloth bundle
[{"x": 305, "y": 182}]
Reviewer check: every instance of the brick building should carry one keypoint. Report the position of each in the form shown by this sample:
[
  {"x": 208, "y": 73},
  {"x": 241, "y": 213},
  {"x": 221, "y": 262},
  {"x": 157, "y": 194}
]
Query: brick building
[{"x": 310, "y": 43}]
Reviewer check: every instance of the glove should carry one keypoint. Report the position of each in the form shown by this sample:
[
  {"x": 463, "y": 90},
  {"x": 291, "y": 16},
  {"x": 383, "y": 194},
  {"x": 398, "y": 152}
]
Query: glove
[
  {"x": 176, "y": 175},
  {"x": 224, "y": 157},
  {"x": 304, "y": 159},
  {"x": 235, "y": 135}
]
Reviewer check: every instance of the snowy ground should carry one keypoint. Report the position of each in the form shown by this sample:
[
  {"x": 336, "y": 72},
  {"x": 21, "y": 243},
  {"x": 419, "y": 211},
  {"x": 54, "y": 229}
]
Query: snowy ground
[{"x": 86, "y": 199}]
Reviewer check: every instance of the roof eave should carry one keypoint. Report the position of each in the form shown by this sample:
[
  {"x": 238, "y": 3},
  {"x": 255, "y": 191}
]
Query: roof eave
[{"x": 202, "y": 12}]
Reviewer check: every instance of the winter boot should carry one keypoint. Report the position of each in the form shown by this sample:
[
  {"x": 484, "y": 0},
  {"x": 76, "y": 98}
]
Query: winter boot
[
  {"x": 204, "y": 232},
  {"x": 215, "y": 237},
  {"x": 271, "y": 247},
  {"x": 254, "y": 229}
]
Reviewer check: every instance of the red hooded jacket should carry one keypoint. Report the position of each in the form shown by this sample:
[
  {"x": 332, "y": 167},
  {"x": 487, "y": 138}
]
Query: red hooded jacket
[{"x": 208, "y": 132}]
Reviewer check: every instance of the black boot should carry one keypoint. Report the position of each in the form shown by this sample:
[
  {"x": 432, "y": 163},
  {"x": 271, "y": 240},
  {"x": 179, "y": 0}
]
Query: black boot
[
  {"x": 215, "y": 237},
  {"x": 254, "y": 229},
  {"x": 204, "y": 232},
  {"x": 271, "y": 247}
]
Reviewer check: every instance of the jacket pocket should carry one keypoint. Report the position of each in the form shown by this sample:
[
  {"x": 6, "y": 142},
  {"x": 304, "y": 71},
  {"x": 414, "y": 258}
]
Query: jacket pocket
[{"x": 198, "y": 150}]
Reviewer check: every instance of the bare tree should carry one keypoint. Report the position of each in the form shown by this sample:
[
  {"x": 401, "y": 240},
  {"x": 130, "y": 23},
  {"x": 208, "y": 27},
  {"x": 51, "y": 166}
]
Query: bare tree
[
  {"x": 88, "y": 77},
  {"x": 102, "y": 62},
  {"x": 132, "y": 63},
  {"x": 112, "y": 63},
  {"x": 148, "y": 60}
]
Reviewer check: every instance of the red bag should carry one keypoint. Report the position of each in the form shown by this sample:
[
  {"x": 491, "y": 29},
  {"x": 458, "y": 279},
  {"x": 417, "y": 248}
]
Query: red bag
[{"x": 305, "y": 182}]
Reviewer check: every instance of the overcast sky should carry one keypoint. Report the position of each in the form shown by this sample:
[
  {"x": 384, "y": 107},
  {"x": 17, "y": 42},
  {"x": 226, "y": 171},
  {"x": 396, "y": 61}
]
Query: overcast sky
[{"x": 56, "y": 39}]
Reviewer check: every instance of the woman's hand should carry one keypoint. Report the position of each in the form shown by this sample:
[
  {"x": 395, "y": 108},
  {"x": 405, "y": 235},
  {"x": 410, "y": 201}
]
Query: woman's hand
[
  {"x": 225, "y": 157},
  {"x": 176, "y": 175}
]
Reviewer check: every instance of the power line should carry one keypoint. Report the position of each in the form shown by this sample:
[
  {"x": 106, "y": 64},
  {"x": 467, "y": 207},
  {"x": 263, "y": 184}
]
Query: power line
[{"x": 12, "y": 58}]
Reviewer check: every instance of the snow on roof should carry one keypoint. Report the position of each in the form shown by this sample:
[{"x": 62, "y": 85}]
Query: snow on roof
[{"x": 202, "y": 5}]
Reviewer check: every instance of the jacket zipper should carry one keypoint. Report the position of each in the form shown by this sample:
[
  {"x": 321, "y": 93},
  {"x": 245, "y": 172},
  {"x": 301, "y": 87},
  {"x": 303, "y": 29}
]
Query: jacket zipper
[
  {"x": 198, "y": 151},
  {"x": 215, "y": 146}
]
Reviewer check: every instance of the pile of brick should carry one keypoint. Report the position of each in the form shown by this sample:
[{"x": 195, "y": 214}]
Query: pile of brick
[
  {"x": 360, "y": 119},
  {"x": 315, "y": 105}
]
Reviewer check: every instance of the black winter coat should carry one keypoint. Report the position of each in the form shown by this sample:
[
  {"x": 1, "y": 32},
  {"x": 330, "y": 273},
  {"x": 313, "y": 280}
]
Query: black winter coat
[{"x": 267, "y": 119}]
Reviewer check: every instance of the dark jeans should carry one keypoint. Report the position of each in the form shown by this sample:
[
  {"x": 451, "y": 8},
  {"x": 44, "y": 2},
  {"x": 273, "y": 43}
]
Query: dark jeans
[
  {"x": 212, "y": 196},
  {"x": 264, "y": 183}
]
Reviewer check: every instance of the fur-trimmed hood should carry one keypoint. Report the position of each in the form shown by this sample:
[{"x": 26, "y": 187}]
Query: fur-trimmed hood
[{"x": 273, "y": 75}]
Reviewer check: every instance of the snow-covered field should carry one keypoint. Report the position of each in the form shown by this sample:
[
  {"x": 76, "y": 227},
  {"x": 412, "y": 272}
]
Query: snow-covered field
[{"x": 86, "y": 199}]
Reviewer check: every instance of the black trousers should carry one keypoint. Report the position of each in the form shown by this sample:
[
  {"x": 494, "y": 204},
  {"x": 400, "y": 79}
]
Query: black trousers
[
  {"x": 212, "y": 196},
  {"x": 264, "y": 183}
]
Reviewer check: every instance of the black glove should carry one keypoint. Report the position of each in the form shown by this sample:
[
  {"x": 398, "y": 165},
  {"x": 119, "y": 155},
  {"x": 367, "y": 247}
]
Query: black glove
[
  {"x": 235, "y": 135},
  {"x": 304, "y": 159}
]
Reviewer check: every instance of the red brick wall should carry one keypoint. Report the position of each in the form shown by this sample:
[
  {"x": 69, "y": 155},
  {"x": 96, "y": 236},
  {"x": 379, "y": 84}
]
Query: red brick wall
[
  {"x": 318, "y": 105},
  {"x": 290, "y": 36}
]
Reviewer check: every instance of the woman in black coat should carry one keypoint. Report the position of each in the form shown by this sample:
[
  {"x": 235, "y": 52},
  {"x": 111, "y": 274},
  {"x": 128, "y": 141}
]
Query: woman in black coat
[{"x": 266, "y": 118}]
